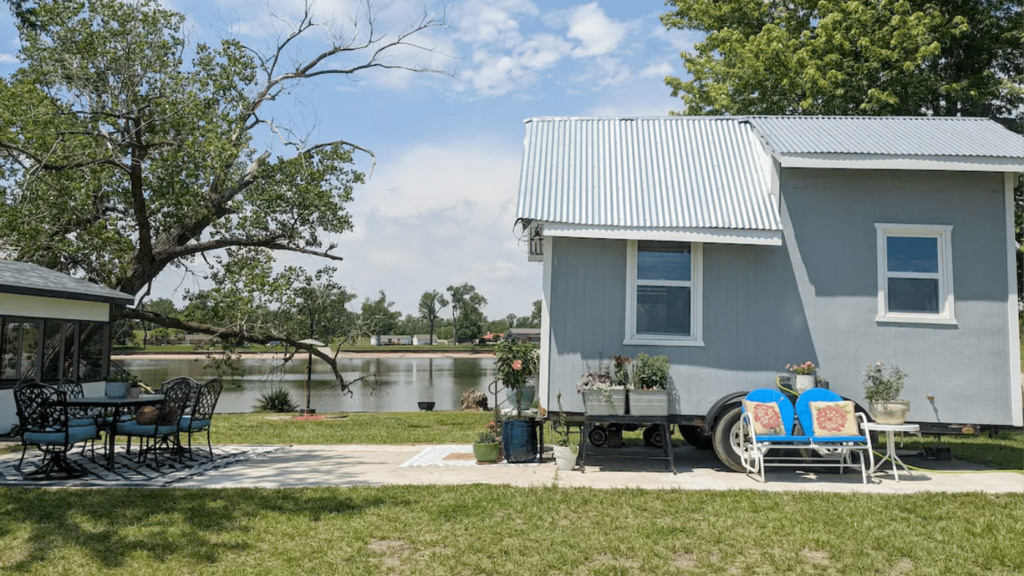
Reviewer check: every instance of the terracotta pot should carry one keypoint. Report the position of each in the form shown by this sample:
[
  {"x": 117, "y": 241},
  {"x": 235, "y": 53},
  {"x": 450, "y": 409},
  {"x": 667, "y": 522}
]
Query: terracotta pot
[{"x": 890, "y": 411}]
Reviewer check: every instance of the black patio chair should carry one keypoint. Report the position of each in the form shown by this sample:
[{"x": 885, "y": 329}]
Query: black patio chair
[
  {"x": 81, "y": 415},
  {"x": 201, "y": 415},
  {"x": 44, "y": 420},
  {"x": 168, "y": 384},
  {"x": 163, "y": 431}
]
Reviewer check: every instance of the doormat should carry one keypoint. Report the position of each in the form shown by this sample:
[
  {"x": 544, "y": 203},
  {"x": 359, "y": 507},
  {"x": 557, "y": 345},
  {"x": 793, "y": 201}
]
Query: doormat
[
  {"x": 451, "y": 455},
  {"x": 127, "y": 472}
]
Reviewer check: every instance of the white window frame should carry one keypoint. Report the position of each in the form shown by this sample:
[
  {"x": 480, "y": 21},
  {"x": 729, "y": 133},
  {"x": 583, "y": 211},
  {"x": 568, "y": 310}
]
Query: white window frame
[
  {"x": 696, "y": 282},
  {"x": 943, "y": 234}
]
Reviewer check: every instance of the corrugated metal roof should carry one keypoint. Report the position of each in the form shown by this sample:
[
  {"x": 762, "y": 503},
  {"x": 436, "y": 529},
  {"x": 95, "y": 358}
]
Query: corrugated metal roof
[
  {"x": 34, "y": 280},
  {"x": 670, "y": 172},
  {"x": 889, "y": 135}
]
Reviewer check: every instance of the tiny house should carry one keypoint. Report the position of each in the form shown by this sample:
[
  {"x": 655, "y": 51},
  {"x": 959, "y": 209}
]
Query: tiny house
[
  {"x": 52, "y": 326},
  {"x": 736, "y": 246}
]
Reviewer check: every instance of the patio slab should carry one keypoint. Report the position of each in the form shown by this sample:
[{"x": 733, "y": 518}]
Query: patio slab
[{"x": 374, "y": 465}]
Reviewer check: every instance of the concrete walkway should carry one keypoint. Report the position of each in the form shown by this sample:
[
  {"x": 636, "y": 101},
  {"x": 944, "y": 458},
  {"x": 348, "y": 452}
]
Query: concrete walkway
[{"x": 374, "y": 465}]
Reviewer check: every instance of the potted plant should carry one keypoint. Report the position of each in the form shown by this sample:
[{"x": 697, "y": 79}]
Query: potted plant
[
  {"x": 565, "y": 450},
  {"x": 804, "y": 373},
  {"x": 603, "y": 395},
  {"x": 649, "y": 396},
  {"x": 486, "y": 448},
  {"x": 882, "y": 392},
  {"x": 516, "y": 364}
]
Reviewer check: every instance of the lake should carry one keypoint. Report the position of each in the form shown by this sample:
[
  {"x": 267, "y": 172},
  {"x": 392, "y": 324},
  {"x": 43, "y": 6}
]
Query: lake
[{"x": 401, "y": 382}]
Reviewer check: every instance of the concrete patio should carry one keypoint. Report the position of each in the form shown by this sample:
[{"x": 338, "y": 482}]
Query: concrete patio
[{"x": 374, "y": 465}]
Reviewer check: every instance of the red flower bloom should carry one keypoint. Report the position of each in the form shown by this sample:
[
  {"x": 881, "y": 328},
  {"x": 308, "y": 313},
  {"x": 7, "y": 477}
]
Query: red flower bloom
[
  {"x": 831, "y": 418},
  {"x": 767, "y": 418},
  {"x": 517, "y": 365}
]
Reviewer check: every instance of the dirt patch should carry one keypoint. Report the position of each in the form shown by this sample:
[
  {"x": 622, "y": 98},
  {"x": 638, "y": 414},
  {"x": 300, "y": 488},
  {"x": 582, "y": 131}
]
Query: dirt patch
[
  {"x": 902, "y": 567},
  {"x": 460, "y": 457},
  {"x": 819, "y": 557},
  {"x": 389, "y": 546},
  {"x": 684, "y": 560}
]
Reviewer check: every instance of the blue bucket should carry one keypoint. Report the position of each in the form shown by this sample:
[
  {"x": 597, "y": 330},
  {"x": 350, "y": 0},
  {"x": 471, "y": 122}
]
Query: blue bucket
[{"x": 519, "y": 440}]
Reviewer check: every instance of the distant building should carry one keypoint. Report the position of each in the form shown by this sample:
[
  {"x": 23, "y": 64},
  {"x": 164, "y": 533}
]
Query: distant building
[
  {"x": 523, "y": 334},
  {"x": 198, "y": 339},
  {"x": 390, "y": 340},
  {"x": 423, "y": 340},
  {"x": 492, "y": 336}
]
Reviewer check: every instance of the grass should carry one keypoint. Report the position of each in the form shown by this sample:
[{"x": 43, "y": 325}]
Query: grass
[
  {"x": 357, "y": 428},
  {"x": 501, "y": 530},
  {"x": 1004, "y": 452}
]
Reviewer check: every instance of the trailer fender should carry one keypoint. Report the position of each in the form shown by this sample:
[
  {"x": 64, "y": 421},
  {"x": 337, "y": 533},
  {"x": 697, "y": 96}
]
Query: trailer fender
[{"x": 719, "y": 408}]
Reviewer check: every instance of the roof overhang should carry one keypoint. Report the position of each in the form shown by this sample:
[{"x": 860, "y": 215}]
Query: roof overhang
[
  {"x": 888, "y": 162},
  {"x": 124, "y": 300},
  {"x": 707, "y": 235}
]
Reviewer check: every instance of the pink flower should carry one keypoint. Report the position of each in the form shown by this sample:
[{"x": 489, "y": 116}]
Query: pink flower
[{"x": 517, "y": 365}]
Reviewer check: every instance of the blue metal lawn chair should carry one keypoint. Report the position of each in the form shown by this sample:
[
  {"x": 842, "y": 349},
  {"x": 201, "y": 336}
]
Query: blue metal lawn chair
[
  {"x": 841, "y": 447},
  {"x": 755, "y": 447}
]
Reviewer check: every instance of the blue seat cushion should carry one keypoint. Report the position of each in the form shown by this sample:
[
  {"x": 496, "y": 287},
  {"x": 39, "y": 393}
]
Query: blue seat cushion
[
  {"x": 82, "y": 422},
  {"x": 135, "y": 429},
  {"x": 784, "y": 439},
  {"x": 75, "y": 434},
  {"x": 196, "y": 425},
  {"x": 124, "y": 418},
  {"x": 834, "y": 439}
]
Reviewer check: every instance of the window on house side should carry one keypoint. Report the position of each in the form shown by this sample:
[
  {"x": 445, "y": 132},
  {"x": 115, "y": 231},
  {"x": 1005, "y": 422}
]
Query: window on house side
[
  {"x": 915, "y": 276},
  {"x": 664, "y": 294}
]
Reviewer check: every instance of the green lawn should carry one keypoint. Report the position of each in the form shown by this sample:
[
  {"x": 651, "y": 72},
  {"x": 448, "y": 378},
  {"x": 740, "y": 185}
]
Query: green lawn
[{"x": 480, "y": 529}]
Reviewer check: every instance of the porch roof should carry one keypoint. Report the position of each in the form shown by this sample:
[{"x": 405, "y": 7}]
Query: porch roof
[{"x": 34, "y": 280}]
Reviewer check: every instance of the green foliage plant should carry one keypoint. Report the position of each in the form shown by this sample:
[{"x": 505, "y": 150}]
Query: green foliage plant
[
  {"x": 277, "y": 399},
  {"x": 564, "y": 439},
  {"x": 516, "y": 363},
  {"x": 650, "y": 373},
  {"x": 620, "y": 376},
  {"x": 879, "y": 387}
]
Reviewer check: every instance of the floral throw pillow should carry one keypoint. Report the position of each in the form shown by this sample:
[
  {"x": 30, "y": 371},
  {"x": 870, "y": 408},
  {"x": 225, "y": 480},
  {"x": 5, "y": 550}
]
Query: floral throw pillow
[
  {"x": 765, "y": 417},
  {"x": 834, "y": 419}
]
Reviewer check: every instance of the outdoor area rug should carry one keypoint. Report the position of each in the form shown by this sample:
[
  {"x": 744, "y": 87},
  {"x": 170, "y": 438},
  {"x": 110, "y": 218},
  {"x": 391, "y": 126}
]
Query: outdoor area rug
[
  {"x": 127, "y": 472},
  {"x": 451, "y": 455}
]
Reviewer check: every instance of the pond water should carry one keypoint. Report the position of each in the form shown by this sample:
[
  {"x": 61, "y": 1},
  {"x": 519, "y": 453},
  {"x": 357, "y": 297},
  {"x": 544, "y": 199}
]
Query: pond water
[{"x": 401, "y": 382}]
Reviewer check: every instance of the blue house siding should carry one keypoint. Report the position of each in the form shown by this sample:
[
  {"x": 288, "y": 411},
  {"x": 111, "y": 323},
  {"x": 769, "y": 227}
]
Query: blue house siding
[{"x": 813, "y": 298}]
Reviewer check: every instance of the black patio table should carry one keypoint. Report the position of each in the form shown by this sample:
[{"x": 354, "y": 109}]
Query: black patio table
[{"x": 117, "y": 404}]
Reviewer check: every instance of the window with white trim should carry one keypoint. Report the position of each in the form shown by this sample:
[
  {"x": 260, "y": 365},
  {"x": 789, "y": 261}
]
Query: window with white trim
[
  {"x": 915, "y": 273},
  {"x": 663, "y": 299}
]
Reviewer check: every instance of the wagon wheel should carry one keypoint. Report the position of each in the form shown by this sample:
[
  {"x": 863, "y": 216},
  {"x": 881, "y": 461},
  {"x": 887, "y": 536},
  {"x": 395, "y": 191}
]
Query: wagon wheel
[
  {"x": 598, "y": 436},
  {"x": 653, "y": 436}
]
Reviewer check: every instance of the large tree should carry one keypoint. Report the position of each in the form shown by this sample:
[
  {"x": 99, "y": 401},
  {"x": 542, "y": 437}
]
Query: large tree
[
  {"x": 126, "y": 148},
  {"x": 431, "y": 303},
  {"x": 467, "y": 304},
  {"x": 873, "y": 57}
]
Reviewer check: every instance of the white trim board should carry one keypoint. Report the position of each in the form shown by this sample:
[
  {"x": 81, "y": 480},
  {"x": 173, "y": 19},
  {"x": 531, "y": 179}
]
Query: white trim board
[
  {"x": 889, "y": 162},
  {"x": 703, "y": 235},
  {"x": 1009, "y": 179},
  {"x": 545, "y": 328}
]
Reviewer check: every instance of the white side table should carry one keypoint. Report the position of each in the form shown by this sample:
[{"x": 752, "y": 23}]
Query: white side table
[{"x": 890, "y": 444}]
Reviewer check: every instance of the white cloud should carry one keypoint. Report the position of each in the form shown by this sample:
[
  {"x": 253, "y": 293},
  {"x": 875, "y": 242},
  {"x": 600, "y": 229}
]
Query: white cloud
[
  {"x": 596, "y": 32},
  {"x": 8, "y": 59},
  {"x": 657, "y": 70},
  {"x": 481, "y": 22},
  {"x": 497, "y": 74}
]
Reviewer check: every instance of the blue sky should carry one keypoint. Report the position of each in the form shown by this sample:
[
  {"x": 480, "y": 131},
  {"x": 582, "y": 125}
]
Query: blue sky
[{"x": 440, "y": 205}]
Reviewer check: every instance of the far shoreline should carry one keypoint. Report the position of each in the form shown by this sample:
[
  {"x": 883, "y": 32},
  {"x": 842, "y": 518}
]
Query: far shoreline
[{"x": 200, "y": 355}]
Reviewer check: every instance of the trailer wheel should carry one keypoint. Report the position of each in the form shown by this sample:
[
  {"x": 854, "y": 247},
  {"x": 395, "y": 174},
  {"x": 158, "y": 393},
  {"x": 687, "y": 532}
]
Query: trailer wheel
[
  {"x": 598, "y": 436},
  {"x": 653, "y": 436},
  {"x": 725, "y": 439},
  {"x": 695, "y": 437}
]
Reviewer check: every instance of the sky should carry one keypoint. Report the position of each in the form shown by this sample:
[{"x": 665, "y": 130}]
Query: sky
[{"x": 439, "y": 206}]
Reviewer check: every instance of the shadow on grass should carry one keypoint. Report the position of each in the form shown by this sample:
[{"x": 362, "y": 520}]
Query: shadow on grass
[{"x": 197, "y": 526}]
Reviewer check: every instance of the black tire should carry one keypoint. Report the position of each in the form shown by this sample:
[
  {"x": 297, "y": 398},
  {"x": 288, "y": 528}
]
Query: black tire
[
  {"x": 653, "y": 436},
  {"x": 598, "y": 436},
  {"x": 695, "y": 437},
  {"x": 725, "y": 439}
]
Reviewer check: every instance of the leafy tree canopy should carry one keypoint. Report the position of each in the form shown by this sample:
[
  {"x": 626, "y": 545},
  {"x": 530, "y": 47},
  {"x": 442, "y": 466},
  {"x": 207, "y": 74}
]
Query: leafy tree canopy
[
  {"x": 127, "y": 148},
  {"x": 867, "y": 57}
]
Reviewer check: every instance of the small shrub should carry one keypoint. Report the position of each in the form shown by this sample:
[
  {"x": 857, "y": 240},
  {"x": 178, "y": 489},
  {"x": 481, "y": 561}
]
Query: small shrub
[
  {"x": 650, "y": 373},
  {"x": 275, "y": 400},
  {"x": 881, "y": 388}
]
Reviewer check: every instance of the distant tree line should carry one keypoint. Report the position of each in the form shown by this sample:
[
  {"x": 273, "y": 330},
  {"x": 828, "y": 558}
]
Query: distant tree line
[{"x": 326, "y": 311}]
